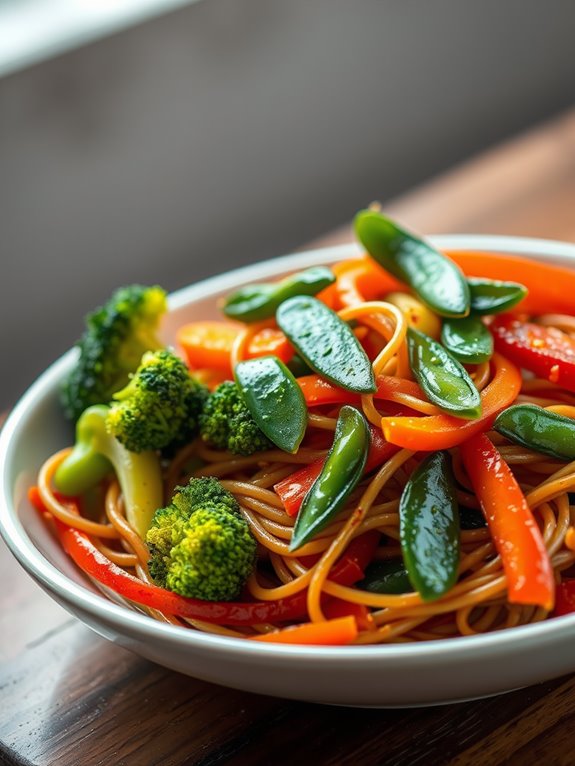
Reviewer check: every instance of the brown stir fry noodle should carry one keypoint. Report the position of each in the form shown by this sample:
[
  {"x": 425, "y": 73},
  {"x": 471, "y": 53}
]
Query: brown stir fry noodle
[{"x": 391, "y": 446}]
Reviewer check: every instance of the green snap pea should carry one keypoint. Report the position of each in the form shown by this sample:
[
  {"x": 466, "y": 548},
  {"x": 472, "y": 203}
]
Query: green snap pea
[
  {"x": 340, "y": 474},
  {"x": 443, "y": 379},
  {"x": 491, "y": 296},
  {"x": 436, "y": 280},
  {"x": 326, "y": 343},
  {"x": 538, "y": 429},
  {"x": 429, "y": 527},
  {"x": 386, "y": 577},
  {"x": 274, "y": 399},
  {"x": 260, "y": 301},
  {"x": 467, "y": 339}
]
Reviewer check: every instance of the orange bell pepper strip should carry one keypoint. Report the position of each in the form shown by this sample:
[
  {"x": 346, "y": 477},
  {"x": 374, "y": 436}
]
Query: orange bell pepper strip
[
  {"x": 551, "y": 288},
  {"x": 362, "y": 279},
  {"x": 208, "y": 344},
  {"x": 517, "y": 538},
  {"x": 338, "y": 632},
  {"x": 437, "y": 432}
]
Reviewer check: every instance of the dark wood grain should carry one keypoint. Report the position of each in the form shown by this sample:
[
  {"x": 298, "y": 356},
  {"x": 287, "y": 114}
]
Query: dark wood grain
[{"x": 68, "y": 697}]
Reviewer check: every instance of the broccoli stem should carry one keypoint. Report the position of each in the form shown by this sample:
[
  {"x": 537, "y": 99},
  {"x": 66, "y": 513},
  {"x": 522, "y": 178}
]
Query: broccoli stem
[{"x": 96, "y": 452}]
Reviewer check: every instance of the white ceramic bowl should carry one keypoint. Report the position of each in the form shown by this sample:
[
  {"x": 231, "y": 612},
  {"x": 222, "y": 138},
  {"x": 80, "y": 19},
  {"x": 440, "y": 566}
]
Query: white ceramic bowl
[{"x": 387, "y": 676}]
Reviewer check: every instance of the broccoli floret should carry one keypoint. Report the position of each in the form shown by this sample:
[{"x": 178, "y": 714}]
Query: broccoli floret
[
  {"x": 200, "y": 545},
  {"x": 226, "y": 422},
  {"x": 97, "y": 453},
  {"x": 116, "y": 337},
  {"x": 160, "y": 406}
]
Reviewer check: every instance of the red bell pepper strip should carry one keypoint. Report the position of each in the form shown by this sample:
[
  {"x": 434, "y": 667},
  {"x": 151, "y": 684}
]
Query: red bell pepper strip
[
  {"x": 546, "y": 351},
  {"x": 517, "y": 538},
  {"x": 564, "y": 598},
  {"x": 318, "y": 391},
  {"x": 437, "y": 432},
  {"x": 293, "y": 488},
  {"x": 348, "y": 570},
  {"x": 337, "y": 607}
]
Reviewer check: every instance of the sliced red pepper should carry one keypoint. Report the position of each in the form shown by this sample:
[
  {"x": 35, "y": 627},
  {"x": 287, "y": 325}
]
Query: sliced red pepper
[
  {"x": 546, "y": 351},
  {"x": 517, "y": 538},
  {"x": 564, "y": 598},
  {"x": 348, "y": 570},
  {"x": 318, "y": 391},
  {"x": 337, "y": 607},
  {"x": 293, "y": 488}
]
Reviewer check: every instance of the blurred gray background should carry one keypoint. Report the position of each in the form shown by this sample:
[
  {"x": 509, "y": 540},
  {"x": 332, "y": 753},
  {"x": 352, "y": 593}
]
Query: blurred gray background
[{"x": 231, "y": 131}]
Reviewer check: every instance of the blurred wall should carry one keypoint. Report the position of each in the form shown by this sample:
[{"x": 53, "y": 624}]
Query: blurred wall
[{"x": 235, "y": 130}]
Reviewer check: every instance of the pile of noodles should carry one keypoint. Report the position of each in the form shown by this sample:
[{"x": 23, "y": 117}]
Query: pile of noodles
[{"x": 476, "y": 604}]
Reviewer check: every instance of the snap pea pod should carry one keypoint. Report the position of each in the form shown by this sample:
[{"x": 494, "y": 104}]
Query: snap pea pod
[
  {"x": 386, "y": 577},
  {"x": 538, "y": 429},
  {"x": 443, "y": 379},
  {"x": 274, "y": 399},
  {"x": 253, "y": 303},
  {"x": 491, "y": 296},
  {"x": 326, "y": 343},
  {"x": 341, "y": 472},
  {"x": 429, "y": 527},
  {"x": 467, "y": 339},
  {"x": 436, "y": 280}
]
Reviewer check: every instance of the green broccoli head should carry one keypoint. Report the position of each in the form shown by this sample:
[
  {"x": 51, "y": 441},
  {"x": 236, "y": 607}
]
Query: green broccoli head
[
  {"x": 200, "y": 545},
  {"x": 160, "y": 406},
  {"x": 226, "y": 422},
  {"x": 116, "y": 336}
]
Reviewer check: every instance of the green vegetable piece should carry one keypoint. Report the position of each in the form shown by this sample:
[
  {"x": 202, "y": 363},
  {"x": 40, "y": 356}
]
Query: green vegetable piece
[
  {"x": 200, "y": 545},
  {"x": 467, "y": 339},
  {"x": 340, "y": 474},
  {"x": 436, "y": 280},
  {"x": 116, "y": 336},
  {"x": 326, "y": 343},
  {"x": 444, "y": 380},
  {"x": 538, "y": 429},
  {"x": 260, "y": 301},
  {"x": 429, "y": 527},
  {"x": 491, "y": 296},
  {"x": 274, "y": 399},
  {"x": 226, "y": 423},
  {"x": 388, "y": 577},
  {"x": 96, "y": 451}
]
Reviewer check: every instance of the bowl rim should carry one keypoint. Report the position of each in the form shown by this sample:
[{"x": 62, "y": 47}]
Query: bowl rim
[{"x": 51, "y": 578}]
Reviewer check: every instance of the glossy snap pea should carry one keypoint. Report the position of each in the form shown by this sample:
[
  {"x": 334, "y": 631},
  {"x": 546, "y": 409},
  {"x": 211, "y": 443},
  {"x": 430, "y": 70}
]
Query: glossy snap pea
[
  {"x": 260, "y": 301},
  {"x": 467, "y": 339},
  {"x": 538, "y": 429},
  {"x": 443, "y": 379},
  {"x": 341, "y": 472},
  {"x": 274, "y": 399},
  {"x": 491, "y": 296},
  {"x": 436, "y": 280},
  {"x": 326, "y": 343},
  {"x": 388, "y": 576},
  {"x": 429, "y": 527}
]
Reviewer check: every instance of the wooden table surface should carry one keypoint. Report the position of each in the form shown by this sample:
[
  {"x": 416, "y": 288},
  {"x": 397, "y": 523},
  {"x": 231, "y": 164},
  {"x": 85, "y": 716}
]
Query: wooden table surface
[{"x": 68, "y": 697}]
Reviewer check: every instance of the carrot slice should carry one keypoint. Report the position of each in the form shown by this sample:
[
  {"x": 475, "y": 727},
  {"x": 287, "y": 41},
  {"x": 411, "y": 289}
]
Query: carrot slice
[
  {"x": 209, "y": 344},
  {"x": 342, "y": 630}
]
